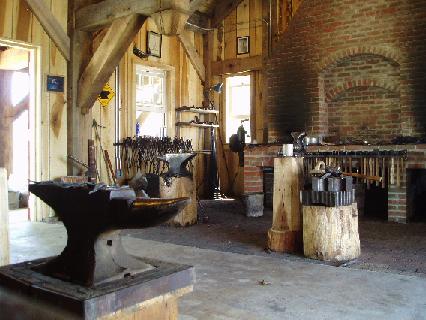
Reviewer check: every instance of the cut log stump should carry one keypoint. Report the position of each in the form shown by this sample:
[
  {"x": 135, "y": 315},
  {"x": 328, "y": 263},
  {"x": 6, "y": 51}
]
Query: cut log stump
[
  {"x": 285, "y": 234},
  {"x": 4, "y": 219},
  {"x": 181, "y": 187},
  {"x": 331, "y": 233}
]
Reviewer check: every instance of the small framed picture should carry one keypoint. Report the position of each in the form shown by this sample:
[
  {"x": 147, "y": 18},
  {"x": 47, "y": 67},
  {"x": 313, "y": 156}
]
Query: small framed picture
[
  {"x": 153, "y": 44},
  {"x": 55, "y": 83},
  {"x": 243, "y": 45}
]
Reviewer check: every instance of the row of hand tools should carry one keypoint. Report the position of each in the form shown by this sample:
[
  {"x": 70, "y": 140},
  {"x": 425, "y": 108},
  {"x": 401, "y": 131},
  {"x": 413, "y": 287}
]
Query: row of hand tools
[
  {"x": 142, "y": 153},
  {"x": 384, "y": 167}
]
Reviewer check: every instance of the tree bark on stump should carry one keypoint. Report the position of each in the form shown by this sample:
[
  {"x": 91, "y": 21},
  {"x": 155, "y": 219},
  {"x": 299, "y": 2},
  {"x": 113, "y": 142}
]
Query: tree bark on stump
[
  {"x": 331, "y": 233},
  {"x": 181, "y": 187}
]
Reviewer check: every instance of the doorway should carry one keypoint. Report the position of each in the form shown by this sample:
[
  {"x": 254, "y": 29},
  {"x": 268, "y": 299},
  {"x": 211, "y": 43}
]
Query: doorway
[{"x": 18, "y": 69}]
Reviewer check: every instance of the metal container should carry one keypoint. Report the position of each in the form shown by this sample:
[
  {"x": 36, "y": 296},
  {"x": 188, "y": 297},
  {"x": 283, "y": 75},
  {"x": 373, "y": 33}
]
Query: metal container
[
  {"x": 334, "y": 184},
  {"x": 312, "y": 141},
  {"x": 288, "y": 150},
  {"x": 318, "y": 184}
]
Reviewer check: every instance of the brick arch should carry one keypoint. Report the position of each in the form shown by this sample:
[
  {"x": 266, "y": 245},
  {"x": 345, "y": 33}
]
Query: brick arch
[
  {"x": 339, "y": 89},
  {"x": 386, "y": 52}
]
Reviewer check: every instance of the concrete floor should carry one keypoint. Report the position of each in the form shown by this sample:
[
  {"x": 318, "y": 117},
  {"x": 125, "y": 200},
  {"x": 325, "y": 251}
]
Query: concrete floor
[{"x": 228, "y": 283}]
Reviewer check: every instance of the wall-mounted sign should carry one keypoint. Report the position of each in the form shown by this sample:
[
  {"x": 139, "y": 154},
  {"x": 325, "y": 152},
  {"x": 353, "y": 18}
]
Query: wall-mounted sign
[
  {"x": 106, "y": 95},
  {"x": 243, "y": 45},
  {"x": 153, "y": 44},
  {"x": 55, "y": 83}
]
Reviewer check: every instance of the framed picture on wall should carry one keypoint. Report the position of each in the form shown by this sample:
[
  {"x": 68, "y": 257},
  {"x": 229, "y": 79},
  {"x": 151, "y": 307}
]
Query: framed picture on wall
[
  {"x": 55, "y": 83},
  {"x": 243, "y": 45},
  {"x": 153, "y": 44}
]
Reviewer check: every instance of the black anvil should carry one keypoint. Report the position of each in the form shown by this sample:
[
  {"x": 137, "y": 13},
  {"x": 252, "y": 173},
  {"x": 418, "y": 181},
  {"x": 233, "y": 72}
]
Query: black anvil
[{"x": 93, "y": 216}]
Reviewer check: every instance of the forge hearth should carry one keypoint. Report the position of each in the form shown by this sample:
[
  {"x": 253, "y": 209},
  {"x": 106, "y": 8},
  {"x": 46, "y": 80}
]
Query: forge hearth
[
  {"x": 416, "y": 195},
  {"x": 258, "y": 157}
]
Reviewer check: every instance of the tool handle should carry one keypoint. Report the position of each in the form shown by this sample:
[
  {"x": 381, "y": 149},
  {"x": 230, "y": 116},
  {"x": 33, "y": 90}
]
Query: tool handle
[{"x": 363, "y": 176}]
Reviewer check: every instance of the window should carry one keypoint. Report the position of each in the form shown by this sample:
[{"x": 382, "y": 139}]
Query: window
[
  {"x": 150, "y": 102},
  {"x": 237, "y": 105}
]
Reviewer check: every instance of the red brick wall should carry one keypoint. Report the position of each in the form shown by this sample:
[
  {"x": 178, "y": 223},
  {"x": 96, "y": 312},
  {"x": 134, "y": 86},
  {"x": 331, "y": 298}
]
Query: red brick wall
[
  {"x": 384, "y": 39},
  {"x": 366, "y": 114}
]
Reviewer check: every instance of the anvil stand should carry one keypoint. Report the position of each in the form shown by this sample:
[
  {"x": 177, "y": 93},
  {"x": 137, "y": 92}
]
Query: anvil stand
[{"x": 94, "y": 277}]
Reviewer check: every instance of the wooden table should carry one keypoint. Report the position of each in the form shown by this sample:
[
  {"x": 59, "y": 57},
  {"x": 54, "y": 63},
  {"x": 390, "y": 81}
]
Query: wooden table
[{"x": 285, "y": 234}]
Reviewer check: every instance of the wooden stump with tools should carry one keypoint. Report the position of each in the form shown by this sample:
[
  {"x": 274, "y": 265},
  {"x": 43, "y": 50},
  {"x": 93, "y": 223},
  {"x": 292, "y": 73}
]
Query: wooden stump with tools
[
  {"x": 331, "y": 233},
  {"x": 181, "y": 187},
  {"x": 4, "y": 219},
  {"x": 286, "y": 232}
]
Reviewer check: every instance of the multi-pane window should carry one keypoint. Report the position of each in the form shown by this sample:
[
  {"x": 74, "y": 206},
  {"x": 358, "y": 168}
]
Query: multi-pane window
[
  {"x": 237, "y": 105},
  {"x": 150, "y": 102}
]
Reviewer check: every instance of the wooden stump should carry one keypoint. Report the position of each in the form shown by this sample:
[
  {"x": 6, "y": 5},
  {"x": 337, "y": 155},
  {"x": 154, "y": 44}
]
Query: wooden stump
[
  {"x": 331, "y": 233},
  {"x": 286, "y": 232},
  {"x": 161, "y": 308},
  {"x": 4, "y": 219},
  {"x": 181, "y": 187}
]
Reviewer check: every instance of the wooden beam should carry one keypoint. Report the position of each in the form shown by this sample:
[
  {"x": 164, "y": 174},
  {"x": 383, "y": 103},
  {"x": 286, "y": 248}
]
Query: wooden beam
[
  {"x": 103, "y": 62},
  {"x": 198, "y": 19},
  {"x": 194, "y": 57},
  {"x": 237, "y": 65},
  {"x": 197, "y": 4},
  {"x": 222, "y": 10},
  {"x": 51, "y": 25},
  {"x": 100, "y": 14}
]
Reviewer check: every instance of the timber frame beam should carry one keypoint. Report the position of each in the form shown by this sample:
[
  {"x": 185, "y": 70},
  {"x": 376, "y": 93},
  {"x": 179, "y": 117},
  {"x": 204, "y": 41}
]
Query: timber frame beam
[
  {"x": 194, "y": 57},
  {"x": 98, "y": 15},
  {"x": 103, "y": 62},
  {"x": 222, "y": 10},
  {"x": 51, "y": 25},
  {"x": 237, "y": 65}
]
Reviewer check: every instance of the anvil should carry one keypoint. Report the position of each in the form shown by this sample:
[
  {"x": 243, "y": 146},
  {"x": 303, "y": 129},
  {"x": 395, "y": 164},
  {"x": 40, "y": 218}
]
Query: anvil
[
  {"x": 177, "y": 164},
  {"x": 93, "y": 215}
]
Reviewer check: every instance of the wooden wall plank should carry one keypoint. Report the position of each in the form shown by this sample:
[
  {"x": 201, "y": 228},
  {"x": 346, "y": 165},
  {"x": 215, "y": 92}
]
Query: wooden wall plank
[
  {"x": 256, "y": 27},
  {"x": 23, "y": 26},
  {"x": 230, "y": 36},
  {"x": 6, "y": 19},
  {"x": 243, "y": 23}
]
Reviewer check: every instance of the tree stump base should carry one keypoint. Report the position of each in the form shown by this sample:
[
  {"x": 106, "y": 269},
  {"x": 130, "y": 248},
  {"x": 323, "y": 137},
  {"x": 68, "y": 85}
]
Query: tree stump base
[
  {"x": 331, "y": 233},
  {"x": 284, "y": 240},
  {"x": 181, "y": 187}
]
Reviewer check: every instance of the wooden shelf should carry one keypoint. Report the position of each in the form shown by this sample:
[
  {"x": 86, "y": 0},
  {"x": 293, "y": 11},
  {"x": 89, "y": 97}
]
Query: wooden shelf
[
  {"x": 197, "y": 110},
  {"x": 198, "y": 125}
]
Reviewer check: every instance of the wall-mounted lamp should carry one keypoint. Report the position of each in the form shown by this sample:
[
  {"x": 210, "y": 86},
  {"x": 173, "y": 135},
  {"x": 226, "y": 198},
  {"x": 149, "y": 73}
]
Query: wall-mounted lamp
[{"x": 217, "y": 87}]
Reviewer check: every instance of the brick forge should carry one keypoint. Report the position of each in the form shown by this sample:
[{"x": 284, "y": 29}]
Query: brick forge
[
  {"x": 256, "y": 157},
  {"x": 350, "y": 68},
  {"x": 354, "y": 70}
]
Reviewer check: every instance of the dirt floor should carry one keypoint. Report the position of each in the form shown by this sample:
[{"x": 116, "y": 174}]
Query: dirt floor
[{"x": 386, "y": 247}]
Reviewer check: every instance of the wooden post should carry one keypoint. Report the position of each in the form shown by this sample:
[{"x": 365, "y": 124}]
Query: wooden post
[
  {"x": 181, "y": 187},
  {"x": 286, "y": 232},
  {"x": 331, "y": 233},
  {"x": 4, "y": 219}
]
